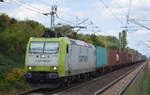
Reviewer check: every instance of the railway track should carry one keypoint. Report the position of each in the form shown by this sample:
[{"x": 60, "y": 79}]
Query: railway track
[
  {"x": 96, "y": 86},
  {"x": 36, "y": 92},
  {"x": 28, "y": 92},
  {"x": 41, "y": 91},
  {"x": 119, "y": 86}
]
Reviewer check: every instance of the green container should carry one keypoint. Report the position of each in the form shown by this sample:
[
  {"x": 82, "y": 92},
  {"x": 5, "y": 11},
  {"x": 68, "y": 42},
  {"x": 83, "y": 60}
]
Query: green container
[{"x": 101, "y": 57}]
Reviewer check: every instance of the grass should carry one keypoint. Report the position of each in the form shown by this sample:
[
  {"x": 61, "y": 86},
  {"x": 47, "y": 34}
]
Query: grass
[{"x": 141, "y": 86}]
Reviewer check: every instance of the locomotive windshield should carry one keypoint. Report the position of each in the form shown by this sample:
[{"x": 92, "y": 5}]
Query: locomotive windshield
[
  {"x": 44, "y": 47},
  {"x": 36, "y": 47},
  {"x": 51, "y": 47}
]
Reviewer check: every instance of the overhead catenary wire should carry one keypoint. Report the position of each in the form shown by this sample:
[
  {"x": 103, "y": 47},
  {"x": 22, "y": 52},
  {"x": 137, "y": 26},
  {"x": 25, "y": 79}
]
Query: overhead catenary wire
[
  {"x": 142, "y": 19},
  {"x": 129, "y": 9},
  {"x": 69, "y": 22},
  {"x": 34, "y": 9},
  {"x": 83, "y": 21},
  {"x": 37, "y": 10},
  {"x": 110, "y": 11},
  {"x": 139, "y": 24},
  {"x": 29, "y": 7},
  {"x": 128, "y": 14},
  {"x": 135, "y": 21},
  {"x": 80, "y": 27}
]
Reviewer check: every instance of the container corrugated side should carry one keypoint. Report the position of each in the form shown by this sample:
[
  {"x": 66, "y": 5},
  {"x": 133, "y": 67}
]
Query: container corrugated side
[
  {"x": 101, "y": 57},
  {"x": 112, "y": 60}
]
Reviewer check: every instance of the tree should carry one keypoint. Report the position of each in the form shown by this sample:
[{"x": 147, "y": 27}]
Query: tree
[
  {"x": 14, "y": 35},
  {"x": 123, "y": 40},
  {"x": 120, "y": 41},
  {"x": 5, "y": 21}
]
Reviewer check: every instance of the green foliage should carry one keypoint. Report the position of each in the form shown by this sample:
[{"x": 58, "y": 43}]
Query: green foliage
[
  {"x": 110, "y": 42},
  {"x": 13, "y": 82},
  {"x": 123, "y": 39},
  {"x": 14, "y": 36},
  {"x": 123, "y": 44},
  {"x": 103, "y": 41},
  {"x": 132, "y": 51},
  {"x": 5, "y": 21}
]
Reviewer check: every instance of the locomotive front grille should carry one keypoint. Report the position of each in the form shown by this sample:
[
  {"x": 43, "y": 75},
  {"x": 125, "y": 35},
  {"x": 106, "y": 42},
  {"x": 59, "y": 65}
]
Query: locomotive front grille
[{"x": 41, "y": 75}]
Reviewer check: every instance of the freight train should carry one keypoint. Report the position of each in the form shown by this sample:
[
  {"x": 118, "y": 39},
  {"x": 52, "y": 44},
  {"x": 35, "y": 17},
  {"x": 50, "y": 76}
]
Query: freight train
[{"x": 52, "y": 61}]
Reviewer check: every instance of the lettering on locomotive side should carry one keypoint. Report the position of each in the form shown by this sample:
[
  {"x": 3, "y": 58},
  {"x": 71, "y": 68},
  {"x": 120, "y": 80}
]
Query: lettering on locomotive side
[
  {"x": 83, "y": 58},
  {"x": 42, "y": 61}
]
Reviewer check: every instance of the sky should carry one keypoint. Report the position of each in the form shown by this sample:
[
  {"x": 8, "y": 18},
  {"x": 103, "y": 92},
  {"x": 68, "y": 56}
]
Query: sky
[{"x": 99, "y": 19}]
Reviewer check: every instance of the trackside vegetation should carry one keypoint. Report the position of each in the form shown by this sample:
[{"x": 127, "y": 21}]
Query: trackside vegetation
[
  {"x": 142, "y": 84},
  {"x": 14, "y": 36}
]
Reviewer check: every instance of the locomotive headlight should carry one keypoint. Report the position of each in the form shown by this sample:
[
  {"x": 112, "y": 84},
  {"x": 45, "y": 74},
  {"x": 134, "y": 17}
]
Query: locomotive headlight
[
  {"x": 42, "y": 55},
  {"x": 55, "y": 68},
  {"x": 30, "y": 68}
]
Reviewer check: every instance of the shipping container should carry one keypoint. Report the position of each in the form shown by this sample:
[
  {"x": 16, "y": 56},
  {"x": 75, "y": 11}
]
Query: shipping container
[
  {"x": 130, "y": 58},
  {"x": 101, "y": 57},
  {"x": 126, "y": 58},
  {"x": 113, "y": 58},
  {"x": 119, "y": 57},
  {"x": 137, "y": 58},
  {"x": 122, "y": 57},
  {"x": 134, "y": 58}
]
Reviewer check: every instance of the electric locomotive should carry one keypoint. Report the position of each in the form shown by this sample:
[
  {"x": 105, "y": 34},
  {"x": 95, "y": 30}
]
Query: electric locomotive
[{"x": 51, "y": 61}]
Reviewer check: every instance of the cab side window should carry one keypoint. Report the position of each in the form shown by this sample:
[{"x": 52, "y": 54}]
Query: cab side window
[{"x": 67, "y": 49}]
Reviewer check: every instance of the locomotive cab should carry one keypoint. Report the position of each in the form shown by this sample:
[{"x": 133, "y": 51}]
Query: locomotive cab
[{"x": 45, "y": 58}]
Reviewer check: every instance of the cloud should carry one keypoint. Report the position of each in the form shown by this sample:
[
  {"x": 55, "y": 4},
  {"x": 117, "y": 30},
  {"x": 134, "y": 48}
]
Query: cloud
[
  {"x": 23, "y": 12},
  {"x": 93, "y": 10},
  {"x": 139, "y": 40},
  {"x": 33, "y": 11}
]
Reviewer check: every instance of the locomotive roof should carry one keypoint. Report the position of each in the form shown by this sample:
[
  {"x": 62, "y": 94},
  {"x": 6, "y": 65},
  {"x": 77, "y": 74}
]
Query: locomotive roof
[{"x": 82, "y": 43}]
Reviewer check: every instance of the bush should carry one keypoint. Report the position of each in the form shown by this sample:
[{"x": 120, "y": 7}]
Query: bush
[{"x": 13, "y": 82}]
